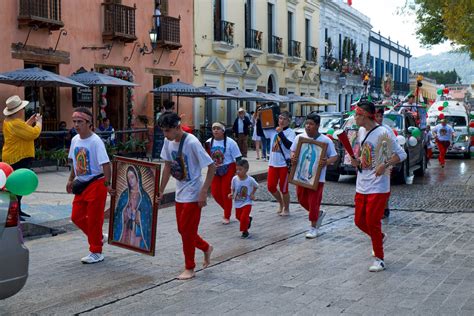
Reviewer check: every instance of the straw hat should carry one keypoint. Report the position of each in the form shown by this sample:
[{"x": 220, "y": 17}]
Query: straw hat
[
  {"x": 241, "y": 110},
  {"x": 14, "y": 104}
]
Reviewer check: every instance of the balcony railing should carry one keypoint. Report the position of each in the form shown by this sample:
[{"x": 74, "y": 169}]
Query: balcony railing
[
  {"x": 43, "y": 13},
  {"x": 119, "y": 23},
  {"x": 294, "y": 49},
  {"x": 253, "y": 39},
  {"x": 224, "y": 32},
  {"x": 275, "y": 45},
  {"x": 169, "y": 34},
  {"x": 311, "y": 54}
]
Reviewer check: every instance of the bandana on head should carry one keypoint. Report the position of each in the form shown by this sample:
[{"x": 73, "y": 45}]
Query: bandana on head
[
  {"x": 83, "y": 116},
  {"x": 218, "y": 124},
  {"x": 363, "y": 112}
]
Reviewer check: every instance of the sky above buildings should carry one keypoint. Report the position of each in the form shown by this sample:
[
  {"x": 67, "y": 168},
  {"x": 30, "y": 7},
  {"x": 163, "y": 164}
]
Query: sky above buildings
[{"x": 383, "y": 17}]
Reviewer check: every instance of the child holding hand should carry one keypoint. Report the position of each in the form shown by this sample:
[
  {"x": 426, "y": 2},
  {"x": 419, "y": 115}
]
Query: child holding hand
[{"x": 243, "y": 188}]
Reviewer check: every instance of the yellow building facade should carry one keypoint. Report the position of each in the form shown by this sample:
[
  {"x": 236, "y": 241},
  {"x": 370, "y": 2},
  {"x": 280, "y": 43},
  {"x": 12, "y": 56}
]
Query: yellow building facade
[
  {"x": 254, "y": 45},
  {"x": 428, "y": 89}
]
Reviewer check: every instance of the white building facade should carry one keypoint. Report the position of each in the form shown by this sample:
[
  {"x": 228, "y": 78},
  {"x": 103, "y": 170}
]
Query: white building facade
[{"x": 344, "y": 42}]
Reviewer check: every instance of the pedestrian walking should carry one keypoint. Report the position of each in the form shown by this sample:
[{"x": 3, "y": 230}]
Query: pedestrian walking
[
  {"x": 255, "y": 137},
  {"x": 373, "y": 178},
  {"x": 308, "y": 198},
  {"x": 225, "y": 152},
  {"x": 281, "y": 139},
  {"x": 243, "y": 192},
  {"x": 89, "y": 181},
  {"x": 19, "y": 138},
  {"x": 428, "y": 138},
  {"x": 184, "y": 159},
  {"x": 241, "y": 131},
  {"x": 444, "y": 135}
]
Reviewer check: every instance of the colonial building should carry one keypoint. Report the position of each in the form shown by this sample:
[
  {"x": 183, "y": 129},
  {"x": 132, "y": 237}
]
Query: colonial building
[
  {"x": 344, "y": 39},
  {"x": 428, "y": 89},
  {"x": 117, "y": 37},
  {"x": 269, "y": 46},
  {"x": 390, "y": 62}
]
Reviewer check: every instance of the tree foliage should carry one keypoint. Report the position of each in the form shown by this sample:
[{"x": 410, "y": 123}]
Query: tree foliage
[
  {"x": 442, "y": 20},
  {"x": 443, "y": 77}
]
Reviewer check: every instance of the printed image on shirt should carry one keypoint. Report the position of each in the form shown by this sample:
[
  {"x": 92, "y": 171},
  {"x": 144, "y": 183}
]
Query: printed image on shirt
[
  {"x": 366, "y": 156},
  {"x": 242, "y": 194},
  {"x": 276, "y": 144},
  {"x": 217, "y": 154},
  {"x": 443, "y": 131},
  {"x": 180, "y": 168},
  {"x": 383, "y": 151},
  {"x": 83, "y": 165}
]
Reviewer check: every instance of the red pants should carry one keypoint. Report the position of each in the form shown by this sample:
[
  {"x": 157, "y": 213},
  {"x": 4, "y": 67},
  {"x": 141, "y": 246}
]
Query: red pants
[
  {"x": 88, "y": 213},
  {"x": 443, "y": 148},
  {"x": 430, "y": 153},
  {"x": 369, "y": 209},
  {"x": 243, "y": 215},
  {"x": 188, "y": 216},
  {"x": 277, "y": 175},
  {"x": 220, "y": 189},
  {"x": 311, "y": 200}
]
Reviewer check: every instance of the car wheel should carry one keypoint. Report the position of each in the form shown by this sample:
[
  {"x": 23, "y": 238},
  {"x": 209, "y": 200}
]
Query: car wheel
[
  {"x": 332, "y": 176},
  {"x": 421, "y": 170}
]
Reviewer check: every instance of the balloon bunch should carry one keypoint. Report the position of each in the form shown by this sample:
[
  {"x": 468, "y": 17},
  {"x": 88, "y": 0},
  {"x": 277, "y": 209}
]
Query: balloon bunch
[
  {"x": 103, "y": 101},
  {"x": 19, "y": 182}
]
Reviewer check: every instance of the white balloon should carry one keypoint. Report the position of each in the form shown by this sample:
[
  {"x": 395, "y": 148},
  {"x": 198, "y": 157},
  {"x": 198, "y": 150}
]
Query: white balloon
[
  {"x": 401, "y": 140},
  {"x": 3, "y": 179},
  {"x": 412, "y": 141}
]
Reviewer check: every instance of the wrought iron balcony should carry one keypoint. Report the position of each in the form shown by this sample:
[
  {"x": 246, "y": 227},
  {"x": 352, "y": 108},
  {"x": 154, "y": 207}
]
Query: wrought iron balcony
[
  {"x": 311, "y": 54},
  {"x": 253, "y": 39},
  {"x": 275, "y": 45},
  {"x": 294, "y": 49},
  {"x": 42, "y": 13},
  {"x": 119, "y": 23},
  {"x": 224, "y": 32},
  {"x": 168, "y": 31}
]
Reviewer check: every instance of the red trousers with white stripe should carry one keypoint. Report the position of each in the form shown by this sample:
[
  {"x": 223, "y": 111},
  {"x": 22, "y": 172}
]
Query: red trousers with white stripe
[
  {"x": 188, "y": 216},
  {"x": 243, "y": 215},
  {"x": 277, "y": 175},
  {"x": 88, "y": 213},
  {"x": 311, "y": 200},
  {"x": 220, "y": 189},
  {"x": 369, "y": 210}
]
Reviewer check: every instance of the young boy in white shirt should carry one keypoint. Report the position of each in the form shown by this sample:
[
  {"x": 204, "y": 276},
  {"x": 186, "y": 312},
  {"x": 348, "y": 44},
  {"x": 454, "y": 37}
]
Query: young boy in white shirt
[
  {"x": 241, "y": 186},
  {"x": 184, "y": 159}
]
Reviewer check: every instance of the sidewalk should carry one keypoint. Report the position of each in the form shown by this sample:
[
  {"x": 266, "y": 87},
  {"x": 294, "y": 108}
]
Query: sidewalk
[{"x": 50, "y": 205}]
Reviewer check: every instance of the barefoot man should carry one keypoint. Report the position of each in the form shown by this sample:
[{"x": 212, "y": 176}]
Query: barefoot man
[{"x": 184, "y": 159}]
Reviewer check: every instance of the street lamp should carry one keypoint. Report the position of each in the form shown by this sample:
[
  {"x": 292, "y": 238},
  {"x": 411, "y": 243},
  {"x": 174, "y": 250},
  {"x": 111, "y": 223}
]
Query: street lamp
[
  {"x": 303, "y": 69},
  {"x": 247, "y": 59}
]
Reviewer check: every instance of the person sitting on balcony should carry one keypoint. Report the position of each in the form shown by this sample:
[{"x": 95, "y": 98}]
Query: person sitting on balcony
[
  {"x": 157, "y": 17},
  {"x": 109, "y": 133}
]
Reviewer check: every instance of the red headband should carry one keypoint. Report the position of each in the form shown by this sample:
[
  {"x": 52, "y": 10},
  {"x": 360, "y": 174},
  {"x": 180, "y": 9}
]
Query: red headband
[
  {"x": 82, "y": 115},
  {"x": 361, "y": 111}
]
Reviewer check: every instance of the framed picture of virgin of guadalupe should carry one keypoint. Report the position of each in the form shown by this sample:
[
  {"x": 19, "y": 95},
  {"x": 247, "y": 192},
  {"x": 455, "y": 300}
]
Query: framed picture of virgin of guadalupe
[
  {"x": 134, "y": 207},
  {"x": 306, "y": 171}
]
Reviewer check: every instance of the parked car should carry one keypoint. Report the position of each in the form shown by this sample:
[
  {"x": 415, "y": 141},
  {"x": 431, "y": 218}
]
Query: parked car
[
  {"x": 402, "y": 123},
  {"x": 329, "y": 120},
  {"x": 14, "y": 256}
]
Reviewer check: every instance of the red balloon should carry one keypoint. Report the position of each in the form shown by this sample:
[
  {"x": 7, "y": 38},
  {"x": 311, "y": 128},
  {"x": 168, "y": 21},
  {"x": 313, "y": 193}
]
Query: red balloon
[
  {"x": 471, "y": 124},
  {"x": 441, "y": 116},
  {"x": 6, "y": 168},
  {"x": 440, "y": 108},
  {"x": 445, "y": 90}
]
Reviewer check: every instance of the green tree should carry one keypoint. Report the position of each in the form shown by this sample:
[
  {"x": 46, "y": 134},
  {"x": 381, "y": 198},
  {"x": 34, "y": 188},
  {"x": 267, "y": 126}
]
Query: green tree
[
  {"x": 442, "y": 20},
  {"x": 442, "y": 77}
]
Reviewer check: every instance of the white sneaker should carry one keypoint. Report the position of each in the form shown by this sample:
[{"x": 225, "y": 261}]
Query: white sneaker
[
  {"x": 312, "y": 233},
  {"x": 320, "y": 219},
  {"x": 384, "y": 239},
  {"x": 377, "y": 266},
  {"x": 93, "y": 258}
]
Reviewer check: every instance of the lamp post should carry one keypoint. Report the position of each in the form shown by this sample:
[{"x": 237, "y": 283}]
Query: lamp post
[
  {"x": 153, "y": 41},
  {"x": 303, "y": 69},
  {"x": 248, "y": 60}
]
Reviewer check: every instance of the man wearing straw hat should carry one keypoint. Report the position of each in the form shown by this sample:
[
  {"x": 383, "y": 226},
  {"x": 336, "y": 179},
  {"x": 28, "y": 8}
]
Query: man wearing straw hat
[
  {"x": 19, "y": 144},
  {"x": 241, "y": 131}
]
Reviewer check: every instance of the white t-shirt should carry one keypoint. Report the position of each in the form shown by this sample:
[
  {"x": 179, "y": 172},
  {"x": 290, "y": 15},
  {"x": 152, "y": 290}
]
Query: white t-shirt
[
  {"x": 444, "y": 133},
  {"x": 276, "y": 158},
  {"x": 220, "y": 157},
  {"x": 88, "y": 155},
  {"x": 195, "y": 159},
  {"x": 242, "y": 190},
  {"x": 330, "y": 150},
  {"x": 367, "y": 181}
]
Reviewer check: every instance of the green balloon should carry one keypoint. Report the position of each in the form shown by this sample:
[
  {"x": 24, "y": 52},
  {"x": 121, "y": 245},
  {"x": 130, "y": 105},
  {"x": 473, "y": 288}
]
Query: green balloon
[
  {"x": 439, "y": 91},
  {"x": 416, "y": 132},
  {"x": 445, "y": 103},
  {"x": 330, "y": 131},
  {"x": 22, "y": 182}
]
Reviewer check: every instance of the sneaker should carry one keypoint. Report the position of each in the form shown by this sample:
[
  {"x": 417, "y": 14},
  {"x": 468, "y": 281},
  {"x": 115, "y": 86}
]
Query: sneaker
[
  {"x": 320, "y": 218},
  {"x": 250, "y": 222},
  {"x": 312, "y": 233},
  {"x": 377, "y": 266},
  {"x": 93, "y": 258},
  {"x": 245, "y": 234},
  {"x": 384, "y": 239}
]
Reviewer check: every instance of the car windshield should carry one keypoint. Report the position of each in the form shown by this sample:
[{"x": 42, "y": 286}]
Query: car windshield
[
  {"x": 462, "y": 139},
  {"x": 394, "y": 121},
  {"x": 328, "y": 122},
  {"x": 349, "y": 123}
]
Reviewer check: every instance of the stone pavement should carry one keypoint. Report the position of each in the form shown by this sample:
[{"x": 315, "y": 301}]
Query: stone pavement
[{"x": 430, "y": 259}]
